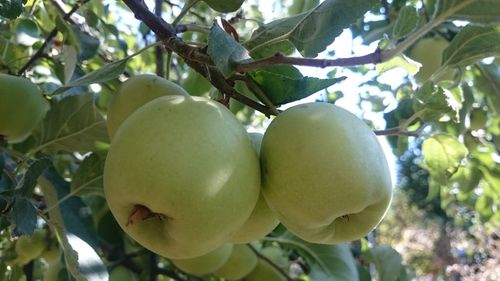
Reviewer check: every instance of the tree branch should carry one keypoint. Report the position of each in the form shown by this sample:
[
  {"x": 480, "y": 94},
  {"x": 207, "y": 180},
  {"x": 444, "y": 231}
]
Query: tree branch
[
  {"x": 52, "y": 34},
  {"x": 195, "y": 57},
  {"x": 278, "y": 58}
]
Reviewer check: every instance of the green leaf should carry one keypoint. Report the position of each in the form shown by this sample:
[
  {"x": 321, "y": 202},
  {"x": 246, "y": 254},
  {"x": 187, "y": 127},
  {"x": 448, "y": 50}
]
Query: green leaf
[
  {"x": 103, "y": 74},
  {"x": 72, "y": 124},
  {"x": 88, "y": 45},
  {"x": 310, "y": 32},
  {"x": 224, "y": 6},
  {"x": 284, "y": 84},
  {"x": 10, "y": 9},
  {"x": 388, "y": 262},
  {"x": 69, "y": 58},
  {"x": 436, "y": 101},
  {"x": 50, "y": 185},
  {"x": 27, "y": 32},
  {"x": 406, "y": 22},
  {"x": 328, "y": 262},
  {"x": 472, "y": 44},
  {"x": 442, "y": 155},
  {"x": 487, "y": 81},
  {"x": 31, "y": 176},
  {"x": 88, "y": 178},
  {"x": 224, "y": 50},
  {"x": 478, "y": 11},
  {"x": 23, "y": 216}
]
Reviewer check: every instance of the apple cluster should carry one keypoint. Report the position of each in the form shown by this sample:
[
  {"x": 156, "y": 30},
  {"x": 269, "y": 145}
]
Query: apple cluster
[{"x": 185, "y": 180}]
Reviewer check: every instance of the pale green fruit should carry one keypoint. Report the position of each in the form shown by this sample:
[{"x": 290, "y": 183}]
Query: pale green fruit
[
  {"x": 324, "y": 173},
  {"x": 276, "y": 255},
  {"x": 190, "y": 162},
  {"x": 134, "y": 93},
  {"x": 121, "y": 273},
  {"x": 53, "y": 270},
  {"x": 262, "y": 220},
  {"x": 207, "y": 263},
  {"x": 428, "y": 52},
  {"x": 264, "y": 271},
  {"x": 478, "y": 119},
  {"x": 241, "y": 262},
  {"x": 51, "y": 255},
  {"x": 30, "y": 247},
  {"x": 22, "y": 107}
]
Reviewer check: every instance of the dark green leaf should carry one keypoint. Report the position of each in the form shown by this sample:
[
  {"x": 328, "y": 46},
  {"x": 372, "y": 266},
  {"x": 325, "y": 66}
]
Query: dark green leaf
[
  {"x": 89, "y": 45},
  {"x": 311, "y": 32},
  {"x": 472, "y": 44},
  {"x": 10, "y": 9},
  {"x": 72, "y": 124},
  {"x": 88, "y": 177},
  {"x": 406, "y": 22},
  {"x": 224, "y": 50},
  {"x": 284, "y": 84},
  {"x": 23, "y": 215},
  {"x": 224, "y": 6},
  {"x": 477, "y": 11},
  {"x": 31, "y": 176}
]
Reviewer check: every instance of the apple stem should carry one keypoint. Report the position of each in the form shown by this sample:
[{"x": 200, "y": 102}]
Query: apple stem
[{"x": 140, "y": 213}]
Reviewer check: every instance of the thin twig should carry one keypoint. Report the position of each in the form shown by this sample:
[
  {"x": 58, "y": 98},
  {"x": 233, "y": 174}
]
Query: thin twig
[
  {"x": 278, "y": 58},
  {"x": 48, "y": 39},
  {"x": 270, "y": 262}
]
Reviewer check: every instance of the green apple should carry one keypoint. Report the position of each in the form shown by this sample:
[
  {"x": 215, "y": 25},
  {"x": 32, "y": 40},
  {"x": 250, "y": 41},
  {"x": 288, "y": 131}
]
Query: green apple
[
  {"x": 134, "y": 93},
  {"x": 181, "y": 176},
  {"x": 262, "y": 220},
  {"x": 206, "y": 263},
  {"x": 324, "y": 173},
  {"x": 22, "y": 107},
  {"x": 53, "y": 270},
  {"x": 241, "y": 262},
  {"x": 264, "y": 271},
  {"x": 30, "y": 247},
  {"x": 478, "y": 119},
  {"x": 122, "y": 273},
  {"x": 51, "y": 255},
  {"x": 428, "y": 51}
]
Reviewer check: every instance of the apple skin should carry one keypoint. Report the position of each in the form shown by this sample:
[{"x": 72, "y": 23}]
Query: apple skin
[
  {"x": 53, "y": 270},
  {"x": 121, "y": 273},
  {"x": 320, "y": 163},
  {"x": 30, "y": 247},
  {"x": 22, "y": 107},
  {"x": 207, "y": 263},
  {"x": 264, "y": 271},
  {"x": 241, "y": 262},
  {"x": 134, "y": 93},
  {"x": 188, "y": 160},
  {"x": 428, "y": 51},
  {"x": 52, "y": 255},
  {"x": 262, "y": 220}
]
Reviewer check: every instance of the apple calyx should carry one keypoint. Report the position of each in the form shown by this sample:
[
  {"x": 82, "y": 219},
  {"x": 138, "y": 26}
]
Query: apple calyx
[{"x": 141, "y": 212}]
